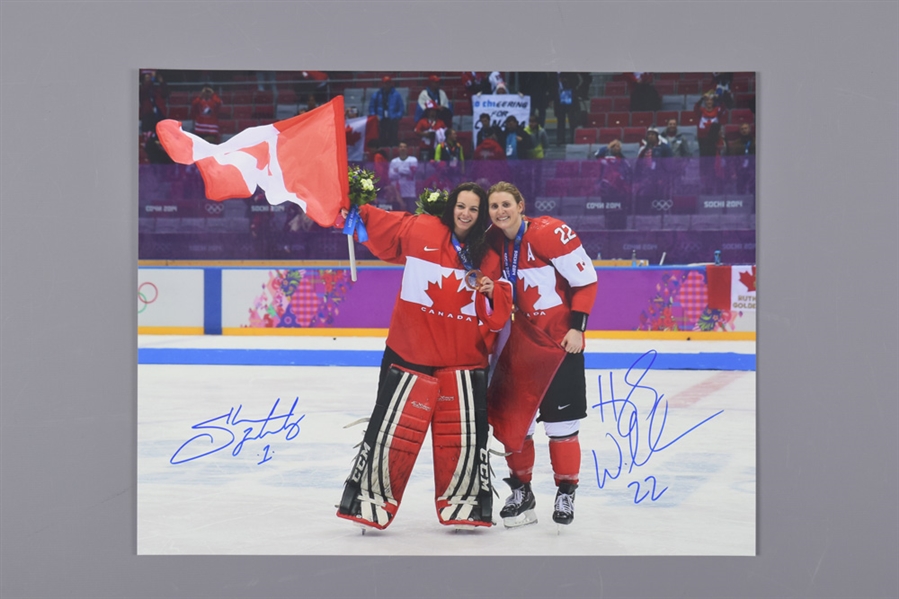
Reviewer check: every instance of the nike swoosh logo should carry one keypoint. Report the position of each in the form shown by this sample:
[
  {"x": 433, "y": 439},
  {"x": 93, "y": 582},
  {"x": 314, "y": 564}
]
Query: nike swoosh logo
[
  {"x": 565, "y": 406},
  {"x": 427, "y": 249}
]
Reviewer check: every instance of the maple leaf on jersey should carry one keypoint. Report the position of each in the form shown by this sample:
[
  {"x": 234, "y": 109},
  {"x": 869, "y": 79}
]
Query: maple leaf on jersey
[
  {"x": 528, "y": 298},
  {"x": 447, "y": 296},
  {"x": 748, "y": 279}
]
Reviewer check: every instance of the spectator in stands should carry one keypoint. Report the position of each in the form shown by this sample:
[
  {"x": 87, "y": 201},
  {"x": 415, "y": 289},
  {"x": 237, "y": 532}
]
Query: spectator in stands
[
  {"x": 152, "y": 95},
  {"x": 710, "y": 113},
  {"x": 204, "y": 110},
  {"x": 538, "y": 86},
  {"x": 387, "y": 104},
  {"x": 614, "y": 180},
  {"x": 402, "y": 175},
  {"x": 433, "y": 93},
  {"x": 260, "y": 216},
  {"x": 539, "y": 139},
  {"x": 497, "y": 83},
  {"x": 680, "y": 145},
  {"x": 742, "y": 151},
  {"x": 516, "y": 142},
  {"x": 653, "y": 168},
  {"x": 475, "y": 83},
  {"x": 572, "y": 89},
  {"x": 489, "y": 147},
  {"x": 450, "y": 155},
  {"x": 431, "y": 130},
  {"x": 644, "y": 96},
  {"x": 484, "y": 128},
  {"x": 314, "y": 84},
  {"x": 717, "y": 174}
]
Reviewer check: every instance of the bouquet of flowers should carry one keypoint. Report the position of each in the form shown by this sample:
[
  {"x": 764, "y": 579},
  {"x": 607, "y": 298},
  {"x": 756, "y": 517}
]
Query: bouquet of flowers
[
  {"x": 362, "y": 186},
  {"x": 432, "y": 201}
]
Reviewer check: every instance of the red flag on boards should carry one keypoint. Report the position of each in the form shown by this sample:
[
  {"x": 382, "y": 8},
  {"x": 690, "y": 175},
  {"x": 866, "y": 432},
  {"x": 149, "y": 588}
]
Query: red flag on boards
[{"x": 302, "y": 160}]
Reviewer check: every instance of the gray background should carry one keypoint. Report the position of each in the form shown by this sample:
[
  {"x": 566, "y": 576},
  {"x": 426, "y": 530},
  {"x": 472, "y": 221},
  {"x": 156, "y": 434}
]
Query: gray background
[{"x": 827, "y": 460}]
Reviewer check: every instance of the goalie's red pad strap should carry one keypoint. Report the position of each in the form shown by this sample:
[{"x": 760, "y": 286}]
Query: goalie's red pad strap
[
  {"x": 459, "y": 436},
  {"x": 525, "y": 369},
  {"x": 390, "y": 447},
  {"x": 521, "y": 463}
]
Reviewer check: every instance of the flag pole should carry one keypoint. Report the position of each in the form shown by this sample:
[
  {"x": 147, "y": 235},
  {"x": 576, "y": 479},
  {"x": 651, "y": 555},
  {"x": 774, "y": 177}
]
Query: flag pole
[{"x": 352, "y": 248}]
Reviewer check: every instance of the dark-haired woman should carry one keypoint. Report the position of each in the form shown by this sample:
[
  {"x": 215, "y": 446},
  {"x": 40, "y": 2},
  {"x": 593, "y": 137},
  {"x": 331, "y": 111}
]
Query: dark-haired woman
[
  {"x": 451, "y": 303},
  {"x": 555, "y": 287}
]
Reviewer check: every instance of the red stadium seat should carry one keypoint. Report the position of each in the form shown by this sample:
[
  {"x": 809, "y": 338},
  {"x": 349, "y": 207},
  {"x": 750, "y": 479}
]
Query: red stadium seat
[
  {"x": 464, "y": 138},
  {"x": 689, "y": 87},
  {"x": 596, "y": 119},
  {"x": 600, "y": 104},
  {"x": 621, "y": 104},
  {"x": 462, "y": 107},
  {"x": 567, "y": 168},
  {"x": 263, "y": 97},
  {"x": 641, "y": 119},
  {"x": 179, "y": 113},
  {"x": 688, "y": 118},
  {"x": 264, "y": 111},
  {"x": 179, "y": 98},
  {"x": 246, "y": 123},
  {"x": 556, "y": 187},
  {"x": 695, "y": 76},
  {"x": 741, "y": 115},
  {"x": 663, "y": 116},
  {"x": 607, "y": 134},
  {"x": 287, "y": 96},
  {"x": 633, "y": 134},
  {"x": 616, "y": 88},
  {"x": 227, "y": 126},
  {"x": 242, "y": 97},
  {"x": 666, "y": 87},
  {"x": 591, "y": 168},
  {"x": 242, "y": 111},
  {"x": 585, "y": 136},
  {"x": 657, "y": 77},
  {"x": 731, "y": 132},
  {"x": 618, "y": 119},
  {"x": 580, "y": 187}
]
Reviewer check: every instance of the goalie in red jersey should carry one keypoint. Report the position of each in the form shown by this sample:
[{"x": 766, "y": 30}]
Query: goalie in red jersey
[
  {"x": 451, "y": 303},
  {"x": 541, "y": 369}
]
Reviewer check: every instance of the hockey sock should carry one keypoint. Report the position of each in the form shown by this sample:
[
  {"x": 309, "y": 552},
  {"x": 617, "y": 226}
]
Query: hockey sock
[
  {"x": 463, "y": 493},
  {"x": 396, "y": 430},
  {"x": 521, "y": 463},
  {"x": 565, "y": 456}
]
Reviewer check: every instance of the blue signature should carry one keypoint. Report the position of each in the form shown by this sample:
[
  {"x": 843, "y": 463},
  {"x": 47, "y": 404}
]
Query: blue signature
[
  {"x": 218, "y": 433},
  {"x": 627, "y": 427}
]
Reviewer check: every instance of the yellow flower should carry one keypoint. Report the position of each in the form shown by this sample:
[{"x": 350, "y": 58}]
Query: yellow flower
[
  {"x": 434, "y": 196},
  {"x": 367, "y": 185}
]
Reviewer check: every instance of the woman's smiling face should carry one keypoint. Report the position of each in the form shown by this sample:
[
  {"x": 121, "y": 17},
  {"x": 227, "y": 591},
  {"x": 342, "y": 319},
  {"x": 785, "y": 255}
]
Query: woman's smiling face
[
  {"x": 505, "y": 212},
  {"x": 465, "y": 212}
]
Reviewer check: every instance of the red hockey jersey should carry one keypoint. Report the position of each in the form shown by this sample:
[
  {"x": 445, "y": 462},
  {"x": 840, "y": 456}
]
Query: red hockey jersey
[
  {"x": 437, "y": 320},
  {"x": 555, "y": 274}
]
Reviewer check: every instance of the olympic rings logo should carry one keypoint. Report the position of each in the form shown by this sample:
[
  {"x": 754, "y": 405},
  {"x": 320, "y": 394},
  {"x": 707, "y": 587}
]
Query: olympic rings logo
[
  {"x": 690, "y": 246},
  {"x": 147, "y": 293},
  {"x": 214, "y": 208},
  {"x": 662, "y": 205},
  {"x": 545, "y": 205}
]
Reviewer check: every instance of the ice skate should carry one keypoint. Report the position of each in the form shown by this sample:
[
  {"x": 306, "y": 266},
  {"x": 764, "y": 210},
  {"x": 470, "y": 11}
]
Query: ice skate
[
  {"x": 519, "y": 508},
  {"x": 563, "y": 513}
]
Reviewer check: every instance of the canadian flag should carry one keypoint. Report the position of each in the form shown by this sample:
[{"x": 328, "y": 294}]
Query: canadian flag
[
  {"x": 731, "y": 287},
  {"x": 302, "y": 160},
  {"x": 359, "y": 132}
]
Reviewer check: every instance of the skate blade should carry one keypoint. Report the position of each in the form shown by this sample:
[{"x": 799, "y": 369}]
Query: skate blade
[{"x": 522, "y": 519}]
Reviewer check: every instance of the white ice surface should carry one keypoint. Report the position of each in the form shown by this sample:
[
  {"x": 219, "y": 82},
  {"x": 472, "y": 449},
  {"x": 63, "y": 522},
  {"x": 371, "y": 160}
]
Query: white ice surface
[{"x": 227, "y": 504}]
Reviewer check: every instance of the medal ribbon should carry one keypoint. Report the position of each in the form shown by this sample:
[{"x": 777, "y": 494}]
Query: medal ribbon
[
  {"x": 354, "y": 224},
  {"x": 511, "y": 270},
  {"x": 462, "y": 252}
]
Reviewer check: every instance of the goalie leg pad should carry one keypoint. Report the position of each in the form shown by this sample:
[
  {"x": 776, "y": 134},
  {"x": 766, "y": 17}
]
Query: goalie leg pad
[
  {"x": 463, "y": 491},
  {"x": 403, "y": 411}
]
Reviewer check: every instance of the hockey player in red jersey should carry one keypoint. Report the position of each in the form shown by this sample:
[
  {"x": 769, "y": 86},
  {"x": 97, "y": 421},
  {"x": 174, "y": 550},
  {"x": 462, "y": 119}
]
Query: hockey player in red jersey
[
  {"x": 451, "y": 303},
  {"x": 554, "y": 289}
]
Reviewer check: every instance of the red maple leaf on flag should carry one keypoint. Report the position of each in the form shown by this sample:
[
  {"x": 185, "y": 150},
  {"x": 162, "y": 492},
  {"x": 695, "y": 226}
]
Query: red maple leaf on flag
[
  {"x": 748, "y": 279},
  {"x": 352, "y": 136},
  {"x": 447, "y": 297}
]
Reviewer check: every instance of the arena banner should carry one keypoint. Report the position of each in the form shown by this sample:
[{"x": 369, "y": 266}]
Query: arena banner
[{"x": 500, "y": 107}]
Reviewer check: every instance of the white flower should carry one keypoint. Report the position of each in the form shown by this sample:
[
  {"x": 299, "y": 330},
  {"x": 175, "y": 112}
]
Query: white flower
[
  {"x": 434, "y": 196},
  {"x": 367, "y": 185}
]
